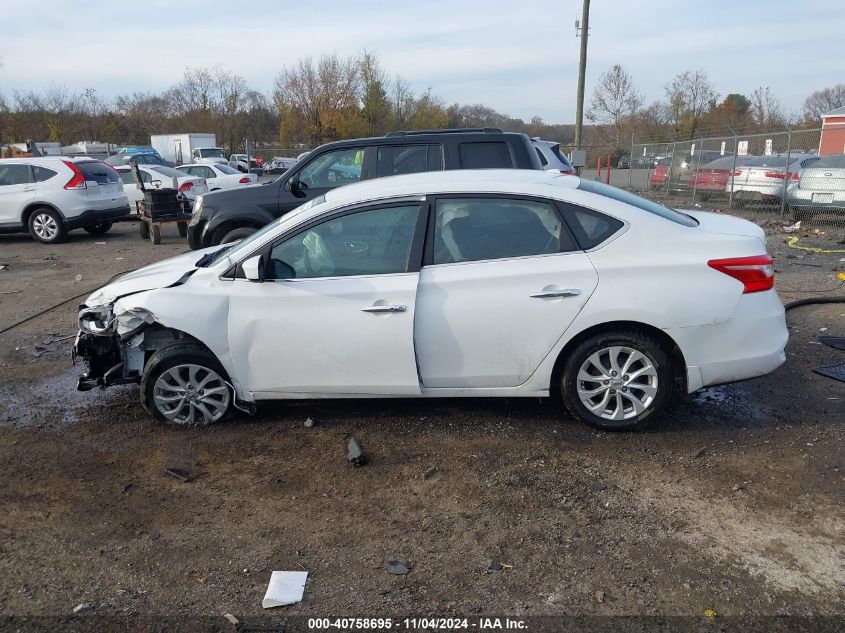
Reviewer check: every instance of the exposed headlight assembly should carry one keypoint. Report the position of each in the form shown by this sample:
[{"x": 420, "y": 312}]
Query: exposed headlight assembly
[{"x": 96, "y": 320}]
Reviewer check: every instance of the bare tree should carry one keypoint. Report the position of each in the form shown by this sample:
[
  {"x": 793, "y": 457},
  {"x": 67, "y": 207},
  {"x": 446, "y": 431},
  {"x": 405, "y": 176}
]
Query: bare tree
[
  {"x": 401, "y": 103},
  {"x": 823, "y": 101},
  {"x": 615, "y": 99},
  {"x": 766, "y": 109},
  {"x": 689, "y": 95},
  {"x": 323, "y": 95}
]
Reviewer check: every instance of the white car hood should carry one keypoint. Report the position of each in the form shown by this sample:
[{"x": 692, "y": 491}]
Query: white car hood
[{"x": 159, "y": 275}]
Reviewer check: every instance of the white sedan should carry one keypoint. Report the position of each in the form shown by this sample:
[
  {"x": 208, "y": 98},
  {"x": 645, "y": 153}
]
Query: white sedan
[
  {"x": 219, "y": 175},
  {"x": 458, "y": 283},
  {"x": 160, "y": 177}
]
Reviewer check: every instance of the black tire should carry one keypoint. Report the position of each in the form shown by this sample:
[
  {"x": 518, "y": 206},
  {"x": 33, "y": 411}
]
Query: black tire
[
  {"x": 46, "y": 226},
  {"x": 155, "y": 234},
  {"x": 182, "y": 227},
  {"x": 631, "y": 339},
  {"x": 173, "y": 356},
  {"x": 144, "y": 230},
  {"x": 100, "y": 228},
  {"x": 238, "y": 234}
]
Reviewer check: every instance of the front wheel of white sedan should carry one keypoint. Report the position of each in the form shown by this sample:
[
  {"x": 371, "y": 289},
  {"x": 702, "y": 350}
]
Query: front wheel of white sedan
[
  {"x": 185, "y": 384},
  {"x": 616, "y": 381}
]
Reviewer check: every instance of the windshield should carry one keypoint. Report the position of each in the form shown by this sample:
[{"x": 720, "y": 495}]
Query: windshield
[
  {"x": 167, "y": 171},
  {"x": 256, "y": 237},
  {"x": 211, "y": 152},
  {"x": 635, "y": 201}
]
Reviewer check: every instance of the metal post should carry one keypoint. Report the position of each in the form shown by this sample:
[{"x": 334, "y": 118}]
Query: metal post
[
  {"x": 246, "y": 148},
  {"x": 695, "y": 175},
  {"x": 733, "y": 171},
  {"x": 582, "y": 71},
  {"x": 598, "y": 167},
  {"x": 607, "y": 176},
  {"x": 669, "y": 172},
  {"x": 785, "y": 175},
  {"x": 631, "y": 161}
]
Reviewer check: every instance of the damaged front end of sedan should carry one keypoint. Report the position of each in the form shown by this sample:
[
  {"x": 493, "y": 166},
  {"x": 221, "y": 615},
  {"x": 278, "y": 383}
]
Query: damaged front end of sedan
[{"x": 114, "y": 343}]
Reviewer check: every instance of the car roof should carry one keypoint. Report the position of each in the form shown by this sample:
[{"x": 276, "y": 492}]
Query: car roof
[{"x": 515, "y": 181}]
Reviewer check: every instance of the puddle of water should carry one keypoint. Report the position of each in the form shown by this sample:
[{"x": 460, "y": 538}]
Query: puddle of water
[
  {"x": 53, "y": 402},
  {"x": 732, "y": 402}
]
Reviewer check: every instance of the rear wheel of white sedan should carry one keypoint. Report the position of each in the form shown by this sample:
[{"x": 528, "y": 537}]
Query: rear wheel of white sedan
[
  {"x": 616, "y": 381},
  {"x": 185, "y": 384}
]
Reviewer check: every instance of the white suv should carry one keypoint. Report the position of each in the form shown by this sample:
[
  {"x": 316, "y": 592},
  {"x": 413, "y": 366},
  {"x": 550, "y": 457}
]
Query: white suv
[{"x": 50, "y": 196}]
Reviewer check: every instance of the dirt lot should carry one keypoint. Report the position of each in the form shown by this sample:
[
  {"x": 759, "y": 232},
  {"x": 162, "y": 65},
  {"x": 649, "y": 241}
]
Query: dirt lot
[{"x": 734, "y": 502}]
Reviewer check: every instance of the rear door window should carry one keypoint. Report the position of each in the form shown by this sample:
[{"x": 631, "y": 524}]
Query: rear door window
[
  {"x": 97, "y": 171},
  {"x": 485, "y": 155},
  {"x": 473, "y": 229},
  {"x": 393, "y": 160},
  {"x": 15, "y": 174}
]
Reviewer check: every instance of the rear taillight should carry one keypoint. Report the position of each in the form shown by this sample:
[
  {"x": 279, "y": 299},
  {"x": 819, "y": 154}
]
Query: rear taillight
[
  {"x": 738, "y": 172},
  {"x": 186, "y": 186},
  {"x": 774, "y": 174},
  {"x": 794, "y": 175},
  {"x": 756, "y": 273},
  {"x": 244, "y": 180},
  {"x": 77, "y": 181}
]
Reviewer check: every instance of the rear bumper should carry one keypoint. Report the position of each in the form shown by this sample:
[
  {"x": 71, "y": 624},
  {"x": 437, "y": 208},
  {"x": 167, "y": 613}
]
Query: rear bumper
[
  {"x": 94, "y": 216},
  {"x": 749, "y": 344}
]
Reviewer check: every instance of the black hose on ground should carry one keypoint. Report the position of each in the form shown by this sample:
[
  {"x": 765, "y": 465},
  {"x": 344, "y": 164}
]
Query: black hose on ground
[
  {"x": 813, "y": 300},
  {"x": 61, "y": 303}
]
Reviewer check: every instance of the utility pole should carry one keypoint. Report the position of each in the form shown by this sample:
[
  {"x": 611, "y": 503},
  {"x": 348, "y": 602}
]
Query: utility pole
[{"x": 584, "y": 30}]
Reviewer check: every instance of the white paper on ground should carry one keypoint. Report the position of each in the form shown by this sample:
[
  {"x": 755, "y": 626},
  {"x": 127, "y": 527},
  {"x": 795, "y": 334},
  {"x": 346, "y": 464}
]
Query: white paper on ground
[{"x": 286, "y": 587}]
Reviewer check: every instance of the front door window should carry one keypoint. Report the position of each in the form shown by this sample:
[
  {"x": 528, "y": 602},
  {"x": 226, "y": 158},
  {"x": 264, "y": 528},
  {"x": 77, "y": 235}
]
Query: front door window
[{"x": 373, "y": 242}]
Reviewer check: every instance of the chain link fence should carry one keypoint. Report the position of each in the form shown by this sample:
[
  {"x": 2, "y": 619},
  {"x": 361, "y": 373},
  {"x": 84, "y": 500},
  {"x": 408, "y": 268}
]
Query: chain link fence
[{"x": 778, "y": 177}]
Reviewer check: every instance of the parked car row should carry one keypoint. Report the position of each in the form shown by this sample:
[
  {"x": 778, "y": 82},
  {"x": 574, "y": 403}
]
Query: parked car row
[{"x": 810, "y": 183}]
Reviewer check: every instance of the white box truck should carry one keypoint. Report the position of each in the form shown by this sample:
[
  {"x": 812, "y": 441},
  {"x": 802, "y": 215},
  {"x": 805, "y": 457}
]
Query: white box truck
[{"x": 193, "y": 147}]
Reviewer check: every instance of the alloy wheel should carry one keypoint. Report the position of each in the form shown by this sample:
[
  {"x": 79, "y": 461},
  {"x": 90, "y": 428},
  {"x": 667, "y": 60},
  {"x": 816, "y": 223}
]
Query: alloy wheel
[
  {"x": 191, "y": 394},
  {"x": 45, "y": 227},
  {"x": 617, "y": 383}
]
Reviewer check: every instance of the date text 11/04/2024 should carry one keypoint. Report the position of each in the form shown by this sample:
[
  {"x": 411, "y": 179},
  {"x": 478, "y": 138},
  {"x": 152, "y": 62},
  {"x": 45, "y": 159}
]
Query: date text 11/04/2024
[{"x": 413, "y": 624}]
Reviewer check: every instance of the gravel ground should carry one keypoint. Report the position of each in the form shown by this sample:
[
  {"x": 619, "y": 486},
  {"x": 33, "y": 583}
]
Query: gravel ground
[{"x": 732, "y": 503}]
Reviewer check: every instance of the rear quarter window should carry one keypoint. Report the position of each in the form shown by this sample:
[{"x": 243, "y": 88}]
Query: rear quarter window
[
  {"x": 485, "y": 155},
  {"x": 591, "y": 228},
  {"x": 42, "y": 173}
]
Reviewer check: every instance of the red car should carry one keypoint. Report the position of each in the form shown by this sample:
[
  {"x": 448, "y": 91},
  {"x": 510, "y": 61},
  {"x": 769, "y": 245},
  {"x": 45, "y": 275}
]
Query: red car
[
  {"x": 660, "y": 175},
  {"x": 712, "y": 177}
]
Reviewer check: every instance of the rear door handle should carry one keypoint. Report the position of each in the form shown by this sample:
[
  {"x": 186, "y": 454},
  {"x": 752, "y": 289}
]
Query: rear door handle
[
  {"x": 555, "y": 292},
  {"x": 385, "y": 308}
]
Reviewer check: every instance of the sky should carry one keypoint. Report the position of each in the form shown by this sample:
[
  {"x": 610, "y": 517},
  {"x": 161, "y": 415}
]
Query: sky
[{"x": 520, "y": 58}]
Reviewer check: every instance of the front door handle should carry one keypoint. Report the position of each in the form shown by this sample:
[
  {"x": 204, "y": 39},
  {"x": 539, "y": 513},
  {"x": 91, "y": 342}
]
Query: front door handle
[
  {"x": 385, "y": 308},
  {"x": 555, "y": 292}
]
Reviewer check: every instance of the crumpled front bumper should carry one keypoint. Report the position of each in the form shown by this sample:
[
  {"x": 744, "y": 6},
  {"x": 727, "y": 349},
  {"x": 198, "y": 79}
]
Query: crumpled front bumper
[{"x": 104, "y": 343}]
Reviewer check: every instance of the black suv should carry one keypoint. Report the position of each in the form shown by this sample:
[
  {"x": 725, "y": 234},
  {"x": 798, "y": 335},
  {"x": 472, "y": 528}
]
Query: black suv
[{"x": 231, "y": 214}]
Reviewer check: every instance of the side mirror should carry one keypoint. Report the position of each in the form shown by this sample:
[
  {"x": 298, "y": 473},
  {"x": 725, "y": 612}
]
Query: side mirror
[{"x": 252, "y": 268}]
